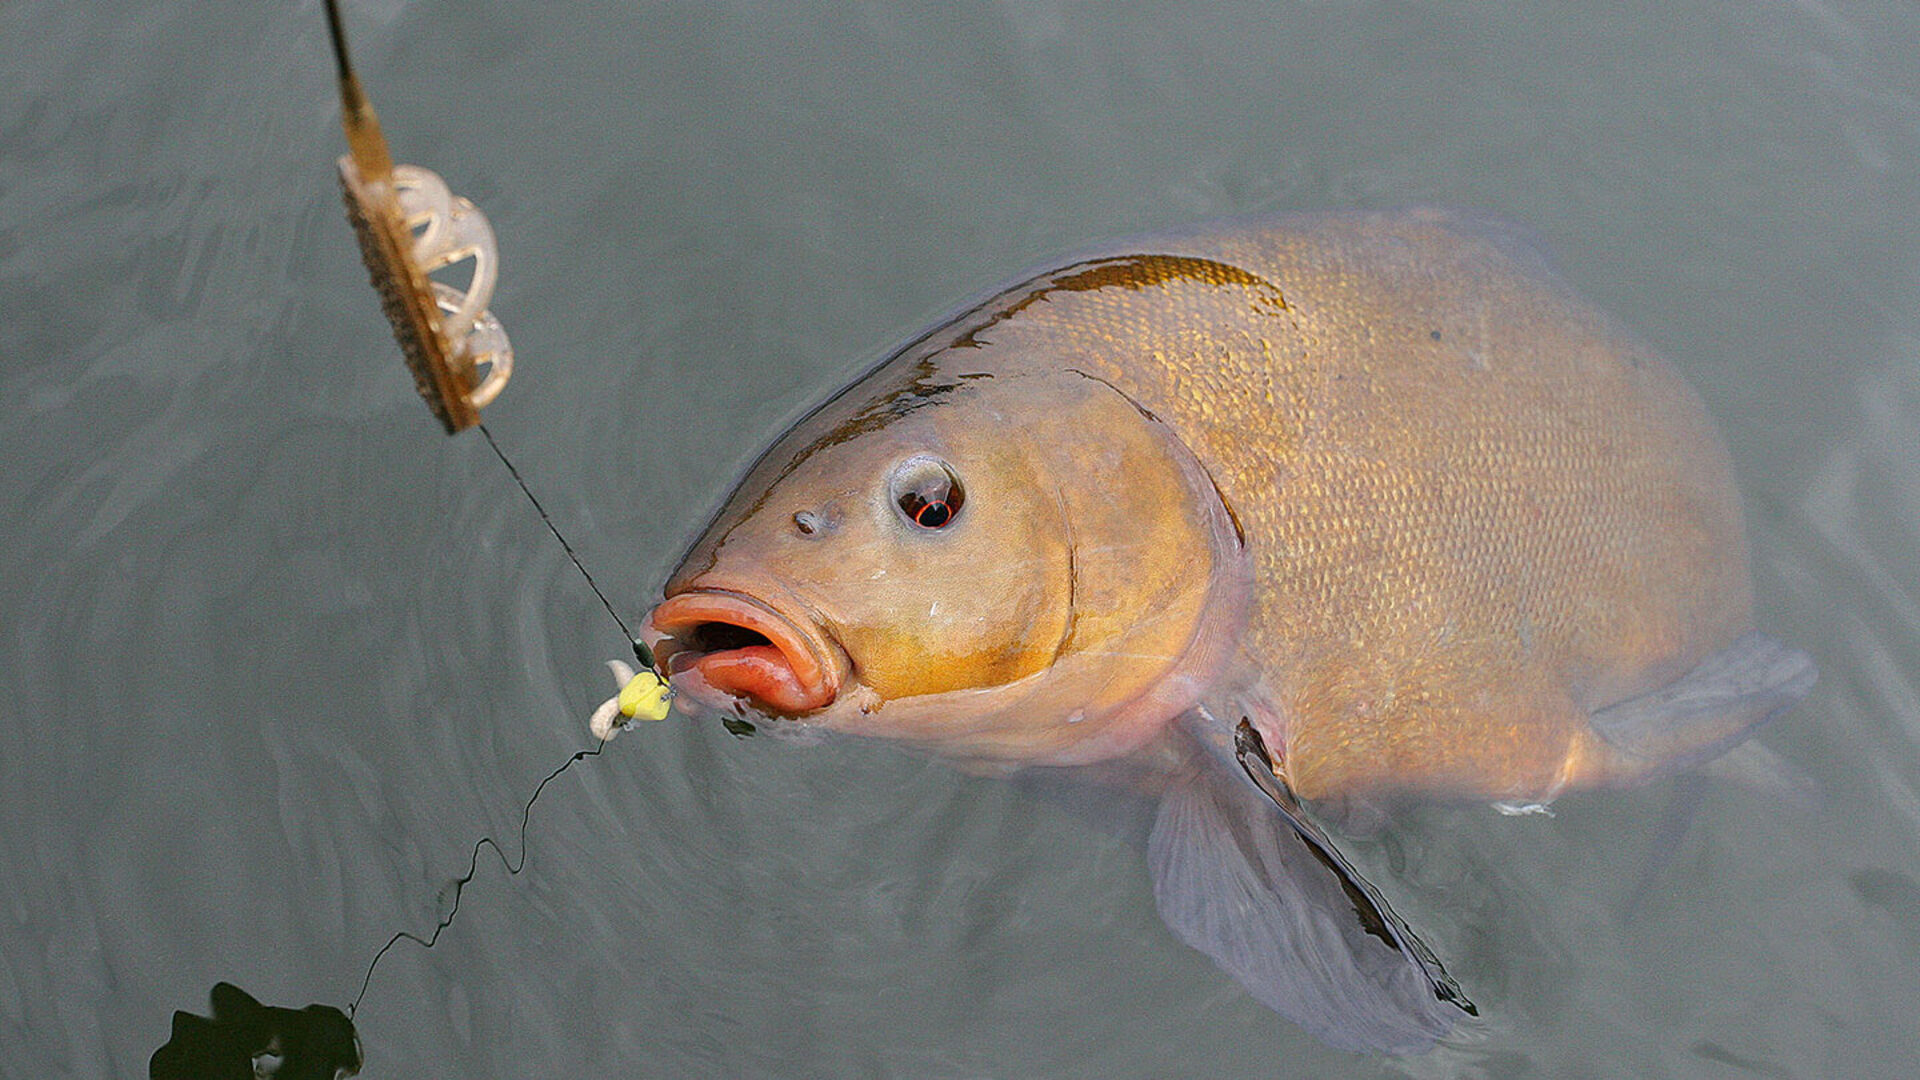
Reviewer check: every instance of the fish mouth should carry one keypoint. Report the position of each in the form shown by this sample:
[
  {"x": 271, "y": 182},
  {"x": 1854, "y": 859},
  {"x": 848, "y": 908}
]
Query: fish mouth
[{"x": 741, "y": 647}]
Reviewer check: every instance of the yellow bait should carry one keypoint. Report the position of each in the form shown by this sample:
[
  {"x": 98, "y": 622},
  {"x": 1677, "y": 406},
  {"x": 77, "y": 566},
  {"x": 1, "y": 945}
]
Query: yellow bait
[{"x": 643, "y": 696}]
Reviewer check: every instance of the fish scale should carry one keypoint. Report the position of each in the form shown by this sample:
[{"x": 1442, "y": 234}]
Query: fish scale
[
  {"x": 1457, "y": 555},
  {"x": 1322, "y": 506}
]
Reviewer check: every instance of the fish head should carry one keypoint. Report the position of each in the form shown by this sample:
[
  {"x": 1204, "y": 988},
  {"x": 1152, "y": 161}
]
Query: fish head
[{"x": 1008, "y": 564}]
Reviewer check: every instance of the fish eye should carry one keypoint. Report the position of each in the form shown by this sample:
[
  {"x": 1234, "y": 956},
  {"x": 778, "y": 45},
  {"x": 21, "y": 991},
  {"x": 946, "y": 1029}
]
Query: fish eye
[{"x": 927, "y": 492}]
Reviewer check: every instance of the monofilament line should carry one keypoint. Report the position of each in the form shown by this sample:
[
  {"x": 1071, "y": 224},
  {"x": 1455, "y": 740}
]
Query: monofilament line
[
  {"x": 640, "y": 650},
  {"x": 513, "y": 866},
  {"x": 473, "y": 865}
]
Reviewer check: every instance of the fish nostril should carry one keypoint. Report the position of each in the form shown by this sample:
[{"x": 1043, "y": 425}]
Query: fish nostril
[
  {"x": 712, "y": 637},
  {"x": 807, "y": 522}
]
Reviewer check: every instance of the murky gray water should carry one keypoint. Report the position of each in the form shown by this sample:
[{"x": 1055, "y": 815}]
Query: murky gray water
[{"x": 276, "y": 653}]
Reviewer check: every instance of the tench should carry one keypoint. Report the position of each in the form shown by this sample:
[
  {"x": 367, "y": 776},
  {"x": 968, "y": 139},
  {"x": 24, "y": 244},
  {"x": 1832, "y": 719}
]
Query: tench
[{"x": 1378, "y": 484}]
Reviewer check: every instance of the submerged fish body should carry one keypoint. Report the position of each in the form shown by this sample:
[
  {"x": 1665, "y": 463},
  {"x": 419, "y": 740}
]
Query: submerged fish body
[
  {"x": 1379, "y": 483},
  {"x": 1380, "y": 480}
]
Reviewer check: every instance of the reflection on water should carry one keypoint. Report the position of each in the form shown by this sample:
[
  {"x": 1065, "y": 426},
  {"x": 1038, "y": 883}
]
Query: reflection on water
[{"x": 277, "y": 653}]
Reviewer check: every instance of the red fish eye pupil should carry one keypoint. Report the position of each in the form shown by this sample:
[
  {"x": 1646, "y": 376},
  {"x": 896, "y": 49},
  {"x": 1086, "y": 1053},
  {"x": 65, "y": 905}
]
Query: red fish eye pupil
[{"x": 932, "y": 515}]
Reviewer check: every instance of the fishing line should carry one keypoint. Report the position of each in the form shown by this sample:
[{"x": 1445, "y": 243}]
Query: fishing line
[
  {"x": 640, "y": 650},
  {"x": 513, "y": 866},
  {"x": 411, "y": 227},
  {"x": 513, "y": 869}
]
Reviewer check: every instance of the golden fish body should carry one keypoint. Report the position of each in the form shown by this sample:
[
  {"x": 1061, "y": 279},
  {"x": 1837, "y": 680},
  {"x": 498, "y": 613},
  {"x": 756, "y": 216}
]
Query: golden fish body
[
  {"x": 1478, "y": 508},
  {"x": 1375, "y": 494},
  {"x": 1380, "y": 482}
]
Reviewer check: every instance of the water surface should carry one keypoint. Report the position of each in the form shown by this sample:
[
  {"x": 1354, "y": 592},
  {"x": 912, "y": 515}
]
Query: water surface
[{"x": 276, "y": 653}]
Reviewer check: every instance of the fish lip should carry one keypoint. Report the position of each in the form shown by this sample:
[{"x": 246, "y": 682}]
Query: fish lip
[{"x": 812, "y": 658}]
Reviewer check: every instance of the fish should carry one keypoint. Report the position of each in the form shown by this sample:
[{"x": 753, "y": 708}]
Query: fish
[{"x": 1254, "y": 516}]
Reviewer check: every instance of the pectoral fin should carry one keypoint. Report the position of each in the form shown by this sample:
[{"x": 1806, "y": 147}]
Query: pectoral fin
[
  {"x": 1246, "y": 879},
  {"x": 1707, "y": 711}
]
